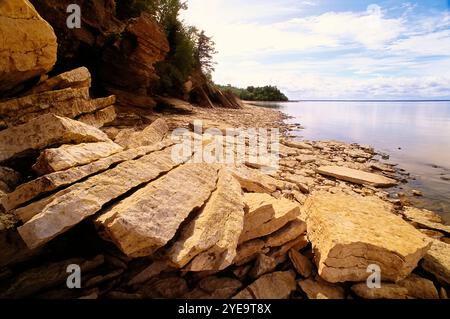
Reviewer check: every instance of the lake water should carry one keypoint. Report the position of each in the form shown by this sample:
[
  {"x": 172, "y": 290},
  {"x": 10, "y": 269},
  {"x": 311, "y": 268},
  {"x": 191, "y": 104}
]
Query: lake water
[{"x": 416, "y": 135}]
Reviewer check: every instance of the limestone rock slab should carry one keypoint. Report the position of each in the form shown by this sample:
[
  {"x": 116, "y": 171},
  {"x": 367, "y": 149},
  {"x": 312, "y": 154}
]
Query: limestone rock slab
[
  {"x": 349, "y": 233},
  {"x": 58, "y": 213},
  {"x": 356, "y": 176},
  {"x": 67, "y": 156},
  {"x": 149, "y": 219},
  {"x": 437, "y": 261},
  {"x": 211, "y": 239},
  {"x": 43, "y": 132}
]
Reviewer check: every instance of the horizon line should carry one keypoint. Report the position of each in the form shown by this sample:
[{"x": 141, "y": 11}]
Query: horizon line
[{"x": 370, "y": 100}]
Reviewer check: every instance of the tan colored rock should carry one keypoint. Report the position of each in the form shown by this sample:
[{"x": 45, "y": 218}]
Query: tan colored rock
[
  {"x": 154, "y": 133},
  {"x": 148, "y": 273},
  {"x": 347, "y": 237},
  {"x": 356, "y": 176},
  {"x": 58, "y": 213},
  {"x": 280, "y": 253},
  {"x": 149, "y": 218},
  {"x": 290, "y": 232},
  {"x": 425, "y": 218},
  {"x": 77, "y": 78},
  {"x": 320, "y": 289},
  {"x": 68, "y": 102},
  {"x": 277, "y": 285},
  {"x": 100, "y": 118},
  {"x": 44, "y": 131},
  {"x": 67, "y": 156},
  {"x": 300, "y": 181},
  {"x": 263, "y": 265},
  {"x": 302, "y": 265},
  {"x": 387, "y": 291},
  {"x": 299, "y": 145},
  {"x": 48, "y": 183},
  {"x": 265, "y": 215},
  {"x": 220, "y": 288},
  {"x": 44, "y": 277},
  {"x": 437, "y": 261},
  {"x": 28, "y": 44},
  {"x": 419, "y": 287},
  {"x": 209, "y": 242},
  {"x": 254, "y": 181},
  {"x": 248, "y": 251}
]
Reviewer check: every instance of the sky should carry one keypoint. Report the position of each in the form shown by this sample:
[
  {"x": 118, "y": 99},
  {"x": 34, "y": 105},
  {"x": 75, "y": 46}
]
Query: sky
[{"x": 329, "y": 49}]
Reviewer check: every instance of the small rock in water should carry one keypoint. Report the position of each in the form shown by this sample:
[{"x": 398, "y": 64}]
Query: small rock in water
[
  {"x": 445, "y": 178},
  {"x": 417, "y": 193}
]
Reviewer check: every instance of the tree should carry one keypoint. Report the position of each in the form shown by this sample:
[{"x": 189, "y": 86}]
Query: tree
[{"x": 204, "y": 52}]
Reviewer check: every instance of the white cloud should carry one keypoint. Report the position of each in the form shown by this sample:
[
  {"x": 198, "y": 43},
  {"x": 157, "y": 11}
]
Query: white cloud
[{"x": 334, "y": 54}]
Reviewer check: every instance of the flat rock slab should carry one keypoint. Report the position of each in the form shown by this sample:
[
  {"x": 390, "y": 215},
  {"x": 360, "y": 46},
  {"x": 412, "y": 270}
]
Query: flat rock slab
[
  {"x": 437, "y": 261},
  {"x": 356, "y": 176},
  {"x": 349, "y": 233},
  {"x": 67, "y": 156},
  {"x": 68, "y": 102},
  {"x": 150, "y": 218},
  {"x": 152, "y": 134},
  {"x": 76, "y": 78},
  {"x": 99, "y": 118},
  {"x": 45, "y": 131},
  {"x": 266, "y": 214},
  {"x": 253, "y": 180},
  {"x": 425, "y": 218},
  {"x": 58, "y": 213},
  {"x": 211, "y": 239},
  {"x": 51, "y": 182},
  {"x": 277, "y": 285}
]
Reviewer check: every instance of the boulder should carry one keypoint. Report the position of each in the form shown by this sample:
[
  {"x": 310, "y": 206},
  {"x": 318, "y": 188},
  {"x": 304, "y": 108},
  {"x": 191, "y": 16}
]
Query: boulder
[
  {"x": 67, "y": 156},
  {"x": 45, "y": 131},
  {"x": 320, "y": 289},
  {"x": 58, "y": 213},
  {"x": 356, "y": 176},
  {"x": 149, "y": 219},
  {"x": 154, "y": 133},
  {"x": 265, "y": 215},
  {"x": 248, "y": 251},
  {"x": 210, "y": 240},
  {"x": 298, "y": 145},
  {"x": 28, "y": 44},
  {"x": 425, "y": 218},
  {"x": 277, "y": 285},
  {"x": 349, "y": 233},
  {"x": 48, "y": 183},
  {"x": 437, "y": 261}
]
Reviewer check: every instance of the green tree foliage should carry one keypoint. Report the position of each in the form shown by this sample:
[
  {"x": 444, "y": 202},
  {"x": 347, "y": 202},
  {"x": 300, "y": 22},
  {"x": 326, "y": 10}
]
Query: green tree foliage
[
  {"x": 251, "y": 93},
  {"x": 190, "y": 49}
]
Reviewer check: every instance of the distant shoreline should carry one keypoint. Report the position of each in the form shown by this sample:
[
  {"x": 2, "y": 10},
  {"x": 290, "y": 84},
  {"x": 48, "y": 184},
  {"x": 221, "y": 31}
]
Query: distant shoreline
[
  {"x": 369, "y": 101},
  {"x": 364, "y": 101}
]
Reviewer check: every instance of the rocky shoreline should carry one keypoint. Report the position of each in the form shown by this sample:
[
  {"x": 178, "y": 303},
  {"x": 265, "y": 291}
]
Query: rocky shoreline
[{"x": 85, "y": 187}]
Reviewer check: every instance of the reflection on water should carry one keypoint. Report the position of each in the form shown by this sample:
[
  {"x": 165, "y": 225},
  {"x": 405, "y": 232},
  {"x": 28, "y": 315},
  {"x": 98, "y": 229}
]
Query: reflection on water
[{"x": 415, "y": 134}]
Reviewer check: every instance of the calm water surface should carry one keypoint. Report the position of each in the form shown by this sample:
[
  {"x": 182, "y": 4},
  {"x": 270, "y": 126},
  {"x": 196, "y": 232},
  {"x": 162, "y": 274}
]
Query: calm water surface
[{"x": 415, "y": 134}]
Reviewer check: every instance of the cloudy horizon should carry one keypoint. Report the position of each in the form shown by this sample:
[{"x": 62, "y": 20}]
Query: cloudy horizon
[{"x": 322, "y": 49}]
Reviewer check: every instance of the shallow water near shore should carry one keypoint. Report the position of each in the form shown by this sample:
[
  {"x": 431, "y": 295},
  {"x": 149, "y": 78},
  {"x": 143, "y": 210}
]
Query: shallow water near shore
[{"x": 416, "y": 135}]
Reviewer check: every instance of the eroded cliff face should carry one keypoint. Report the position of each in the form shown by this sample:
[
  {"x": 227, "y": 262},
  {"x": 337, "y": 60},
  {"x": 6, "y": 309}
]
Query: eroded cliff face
[{"x": 120, "y": 54}]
